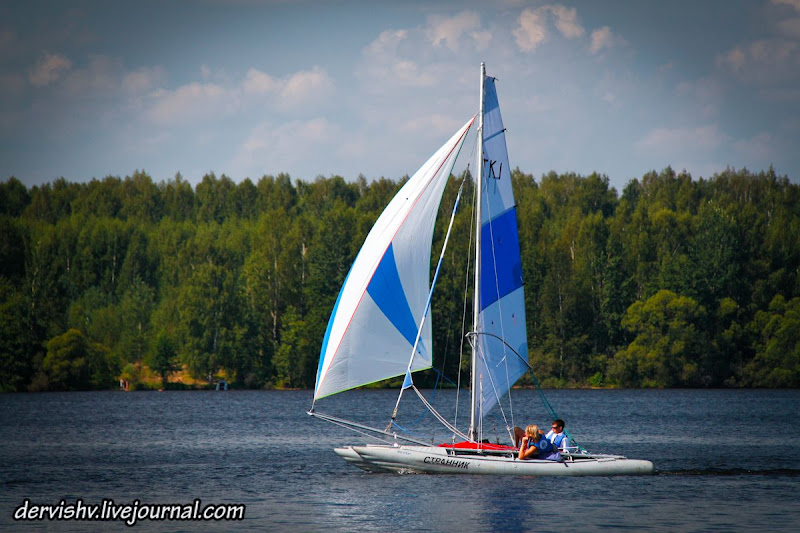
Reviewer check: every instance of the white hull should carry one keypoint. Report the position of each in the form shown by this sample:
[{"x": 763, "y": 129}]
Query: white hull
[{"x": 435, "y": 460}]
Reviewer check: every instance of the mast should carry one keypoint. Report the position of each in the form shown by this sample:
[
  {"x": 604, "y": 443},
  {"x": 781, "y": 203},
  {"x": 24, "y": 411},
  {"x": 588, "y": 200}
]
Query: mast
[{"x": 473, "y": 419}]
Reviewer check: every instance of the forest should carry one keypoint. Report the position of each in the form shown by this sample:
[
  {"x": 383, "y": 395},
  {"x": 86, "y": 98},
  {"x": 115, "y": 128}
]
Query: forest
[{"x": 674, "y": 282}]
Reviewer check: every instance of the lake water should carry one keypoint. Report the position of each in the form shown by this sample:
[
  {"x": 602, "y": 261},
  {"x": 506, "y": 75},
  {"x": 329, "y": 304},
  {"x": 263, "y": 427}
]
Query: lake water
[{"x": 727, "y": 460}]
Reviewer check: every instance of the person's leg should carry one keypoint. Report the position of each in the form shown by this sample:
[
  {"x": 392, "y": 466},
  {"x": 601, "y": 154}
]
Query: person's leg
[{"x": 518, "y": 434}]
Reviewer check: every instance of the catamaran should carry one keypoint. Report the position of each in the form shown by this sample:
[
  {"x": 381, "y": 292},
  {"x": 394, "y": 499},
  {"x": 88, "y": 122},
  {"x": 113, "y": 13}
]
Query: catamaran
[{"x": 380, "y": 326}]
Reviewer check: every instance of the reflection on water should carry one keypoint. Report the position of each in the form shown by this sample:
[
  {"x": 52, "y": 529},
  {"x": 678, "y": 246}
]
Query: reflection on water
[{"x": 729, "y": 456}]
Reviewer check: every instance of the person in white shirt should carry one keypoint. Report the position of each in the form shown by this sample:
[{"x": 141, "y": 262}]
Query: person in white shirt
[{"x": 557, "y": 436}]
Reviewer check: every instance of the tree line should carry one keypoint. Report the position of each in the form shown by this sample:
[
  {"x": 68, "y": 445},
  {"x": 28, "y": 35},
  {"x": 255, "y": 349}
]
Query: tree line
[{"x": 675, "y": 282}]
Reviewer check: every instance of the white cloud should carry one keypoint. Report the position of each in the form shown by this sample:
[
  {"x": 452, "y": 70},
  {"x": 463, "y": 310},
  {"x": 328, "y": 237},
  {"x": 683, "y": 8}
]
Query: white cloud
[
  {"x": 306, "y": 86},
  {"x": 792, "y": 3},
  {"x": 678, "y": 141},
  {"x": 790, "y": 27},
  {"x": 532, "y": 25},
  {"x": 258, "y": 82},
  {"x": 143, "y": 80},
  {"x": 566, "y": 21},
  {"x": 409, "y": 73},
  {"x": 774, "y": 52},
  {"x": 435, "y": 125},
  {"x": 48, "y": 69},
  {"x": 384, "y": 66},
  {"x": 272, "y": 148},
  {"x": 696, "y": 149},
  {"x": 302, "y": 88},
  {"x": 187, "y": 102},
  {"x": 482, "y": 38},
  {"x": 532, "y": 30},
  {"x": 203, "y": 99},
  {"x": 386, "y": 44},
  {"x": 603, "y": 38},
  {"x": 756, "y": 151},
  {"x": 450, "y": 30},
  {"x": 763, "y": 62},
  {"x": 734, "y": 59},
  {"x": 103, "y": 75}
]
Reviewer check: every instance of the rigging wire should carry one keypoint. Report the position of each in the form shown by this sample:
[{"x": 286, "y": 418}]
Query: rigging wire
[
  {"x": 439, "y": 417},
  {"x": 450, "y": 315},
  {"x": 466, "y": 286}
]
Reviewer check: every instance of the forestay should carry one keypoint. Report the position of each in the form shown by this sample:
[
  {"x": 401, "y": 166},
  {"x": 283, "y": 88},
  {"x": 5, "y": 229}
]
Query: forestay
[{"x": 376, "y": 319}]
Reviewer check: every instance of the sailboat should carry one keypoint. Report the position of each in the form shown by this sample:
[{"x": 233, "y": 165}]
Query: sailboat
[{"x": 380, "y": 327}]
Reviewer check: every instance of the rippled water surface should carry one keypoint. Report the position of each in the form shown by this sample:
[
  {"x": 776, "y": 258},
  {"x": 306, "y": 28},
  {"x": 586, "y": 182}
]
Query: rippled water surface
[{"x": 726, "y": 461}]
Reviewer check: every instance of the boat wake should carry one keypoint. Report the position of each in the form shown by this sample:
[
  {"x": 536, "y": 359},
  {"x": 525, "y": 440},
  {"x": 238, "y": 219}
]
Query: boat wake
[{"x": 730, "y": 472}]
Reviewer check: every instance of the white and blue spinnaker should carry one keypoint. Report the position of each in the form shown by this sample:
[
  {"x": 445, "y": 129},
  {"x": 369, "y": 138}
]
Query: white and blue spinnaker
[{"x": 377, "y": 316}]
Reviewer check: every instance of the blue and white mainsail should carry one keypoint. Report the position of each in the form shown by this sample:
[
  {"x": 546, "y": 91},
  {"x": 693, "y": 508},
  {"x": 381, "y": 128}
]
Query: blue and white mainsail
[
  {"x": 501, "y": 340},
  {"x": 376, "y": 319}
]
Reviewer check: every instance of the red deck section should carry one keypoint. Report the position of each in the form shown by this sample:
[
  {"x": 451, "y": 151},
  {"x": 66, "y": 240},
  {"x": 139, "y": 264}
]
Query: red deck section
[{"x": 466, "y": 445}]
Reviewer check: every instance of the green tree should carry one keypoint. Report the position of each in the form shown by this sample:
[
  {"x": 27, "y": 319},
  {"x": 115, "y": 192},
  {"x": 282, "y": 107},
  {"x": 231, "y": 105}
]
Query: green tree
[
  {"x": 245, "y": 199},
  {"x": 178, "y": 199},
  {"x": 142, "y": 199},
  {"x": 74, "y": 363},
  {"x": 295, "y": 352},
  {"x": 222, "y": 265},
  {"x": 211, "y": 313},
  {"x": 777, "y": 359},
  {"x": 14, "y": 197},
  {"x": 668, "y": 349},
  {"x": 16, "y": 361},
  {"x": 136, "y": 308},
  {"x": 12, "y": 248},
  {"x": 216, "y": 199},
  {"x": 277, "y": 193},
  {"x": 163, "y": 358}
]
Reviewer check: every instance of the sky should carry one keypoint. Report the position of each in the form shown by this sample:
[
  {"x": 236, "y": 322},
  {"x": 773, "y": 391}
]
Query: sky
[{"x": 248, "y": 88}]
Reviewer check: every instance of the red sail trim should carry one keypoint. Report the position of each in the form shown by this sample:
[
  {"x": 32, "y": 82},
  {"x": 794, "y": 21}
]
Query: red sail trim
[{"x": 466, "y": 445}]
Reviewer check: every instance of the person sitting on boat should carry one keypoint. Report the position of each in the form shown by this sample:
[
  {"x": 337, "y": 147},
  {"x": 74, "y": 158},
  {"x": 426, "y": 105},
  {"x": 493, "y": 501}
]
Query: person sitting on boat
[
  {"x": 557, "y": 436},
  {"x": 535, "y": 446}
]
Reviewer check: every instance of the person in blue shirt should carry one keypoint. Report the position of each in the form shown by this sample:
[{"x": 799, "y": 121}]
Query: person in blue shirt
[{"x": 535, "y": 446}]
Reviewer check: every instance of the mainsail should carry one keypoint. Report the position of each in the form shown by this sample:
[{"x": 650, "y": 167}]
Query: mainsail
[
  {"x": 501, "y": 341},
  {"x": 376, "y": 319}
]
